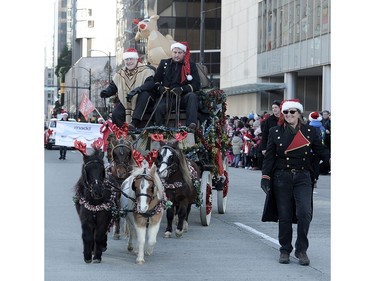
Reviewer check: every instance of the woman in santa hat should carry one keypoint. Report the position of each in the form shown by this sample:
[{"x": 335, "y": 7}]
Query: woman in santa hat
[{"x": 286, "y": 178}]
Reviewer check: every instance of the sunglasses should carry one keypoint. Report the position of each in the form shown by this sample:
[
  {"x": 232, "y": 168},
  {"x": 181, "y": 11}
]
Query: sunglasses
[{"x": 289, "y": 111}]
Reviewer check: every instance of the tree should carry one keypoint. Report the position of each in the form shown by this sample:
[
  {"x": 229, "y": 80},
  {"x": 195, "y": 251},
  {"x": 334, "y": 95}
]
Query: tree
[{"x": 64, "y": 63}]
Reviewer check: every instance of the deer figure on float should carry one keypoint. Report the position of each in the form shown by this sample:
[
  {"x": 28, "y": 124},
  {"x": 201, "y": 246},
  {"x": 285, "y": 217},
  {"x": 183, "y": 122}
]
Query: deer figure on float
[{"x": 158, "y": 45}]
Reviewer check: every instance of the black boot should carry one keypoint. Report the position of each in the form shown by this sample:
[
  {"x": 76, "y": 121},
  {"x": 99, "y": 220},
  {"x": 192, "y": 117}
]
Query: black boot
[{"x": 64, "y": 154}]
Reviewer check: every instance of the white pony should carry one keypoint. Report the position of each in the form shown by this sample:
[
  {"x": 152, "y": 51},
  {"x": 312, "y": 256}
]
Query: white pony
[{"x": 144, "y": 197}]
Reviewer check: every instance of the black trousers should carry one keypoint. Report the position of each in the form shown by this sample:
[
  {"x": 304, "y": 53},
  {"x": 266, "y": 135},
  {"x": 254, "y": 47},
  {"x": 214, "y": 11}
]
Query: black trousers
[
  {"x": 288, "y": 188},
  {"x": 62, "y": 151},
  {"x": 189, "y": 102}
]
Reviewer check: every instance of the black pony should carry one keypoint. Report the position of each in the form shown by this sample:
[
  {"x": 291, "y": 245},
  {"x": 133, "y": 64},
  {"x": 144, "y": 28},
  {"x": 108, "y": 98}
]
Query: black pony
[
  {"x": 178, "y": 175},
  {"x": 94, "y": 201}
]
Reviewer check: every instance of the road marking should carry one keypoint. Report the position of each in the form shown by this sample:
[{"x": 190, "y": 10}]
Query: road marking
[{"x": 256, "y": 232}]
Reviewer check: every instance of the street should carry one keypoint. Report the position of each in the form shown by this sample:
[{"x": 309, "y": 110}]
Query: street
[{"x": 235, "y": 246}]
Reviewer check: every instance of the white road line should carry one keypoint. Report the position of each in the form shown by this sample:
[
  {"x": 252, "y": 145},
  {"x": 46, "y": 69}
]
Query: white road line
[{"x": 256, "y": 232}]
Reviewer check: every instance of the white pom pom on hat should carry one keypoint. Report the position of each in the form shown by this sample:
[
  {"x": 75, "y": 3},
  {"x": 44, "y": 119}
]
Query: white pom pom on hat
[
  {"x": 288, "y": 104},
  {"x": 315, "y": 116}
]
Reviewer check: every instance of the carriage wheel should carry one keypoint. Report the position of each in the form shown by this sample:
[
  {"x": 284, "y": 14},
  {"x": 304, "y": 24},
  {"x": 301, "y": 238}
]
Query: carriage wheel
[
  {"x": 222, "y": 195},
  {"x": 206, "y": 195}
]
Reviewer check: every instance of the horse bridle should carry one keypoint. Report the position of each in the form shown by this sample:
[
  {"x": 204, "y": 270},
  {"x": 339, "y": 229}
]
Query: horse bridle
[
  {"x": 90, "y": 185},
  {"x": 120, "y": 164},
  {"x": 169, "y": 167},
  {"x": 149, "y": 178}
]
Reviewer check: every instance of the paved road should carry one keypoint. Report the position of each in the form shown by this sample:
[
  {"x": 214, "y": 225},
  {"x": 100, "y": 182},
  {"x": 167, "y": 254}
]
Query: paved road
[{"x": 235, "y": 246}]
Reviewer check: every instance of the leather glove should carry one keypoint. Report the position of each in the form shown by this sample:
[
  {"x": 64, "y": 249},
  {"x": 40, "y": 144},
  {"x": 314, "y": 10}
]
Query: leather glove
[
  {"x": 177, "y": 91},
  {"x": 103, "y": 94},
  {"x": 132, "y": 93},
  {"x": 265, "y": 184},
  {"x": 161, "y": 89}
]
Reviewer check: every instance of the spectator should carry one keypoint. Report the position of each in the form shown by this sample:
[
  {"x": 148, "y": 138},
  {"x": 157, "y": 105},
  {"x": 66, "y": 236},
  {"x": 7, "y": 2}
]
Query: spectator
[
  {"x": 237, "y": 144},
  {"x": 326, "y": 122},
  {"x": 315, "y": 121},
  {"x": 286, "y": 179},
  {"x": 270, "y": 122},
  {"x": 178, "y": 76},
  {"x": 63, "y": 148},
  {"x": 132, "y": 85}
]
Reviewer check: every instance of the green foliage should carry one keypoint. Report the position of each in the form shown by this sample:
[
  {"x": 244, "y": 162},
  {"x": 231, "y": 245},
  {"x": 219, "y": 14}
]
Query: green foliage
[{"x": 64, "y": 63}]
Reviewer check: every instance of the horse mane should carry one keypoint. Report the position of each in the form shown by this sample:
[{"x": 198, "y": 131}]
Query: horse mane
[{"x": 182, "y": 164}]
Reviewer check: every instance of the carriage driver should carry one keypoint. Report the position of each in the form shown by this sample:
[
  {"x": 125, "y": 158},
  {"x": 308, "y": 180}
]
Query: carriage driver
[
  {"x": 180, "y": 77},
  {"x": 133, "y": 84}
]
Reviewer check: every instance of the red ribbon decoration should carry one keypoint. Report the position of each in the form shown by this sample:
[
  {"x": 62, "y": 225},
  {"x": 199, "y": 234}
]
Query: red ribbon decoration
[
  {"x": 138, "y": 157},
  {"x": 49, "y": 132},
  {"x": 97, "y": 144},
  {"x": 80, "y": 146},
  {"x": 151, "y": 156},
  {"x": 119, "y": 132},
  {"x": 181, "y": 136},
  {"x": 106, "y": 129},
  {"x": 157, "y": 137}
]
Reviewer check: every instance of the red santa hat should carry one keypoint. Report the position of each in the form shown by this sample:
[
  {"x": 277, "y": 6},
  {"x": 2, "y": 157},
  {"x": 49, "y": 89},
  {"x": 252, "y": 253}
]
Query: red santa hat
[
  {"x": 315, "y": 116},
  {"x": 100, "y": 119},
  {"x": 65, "y": 114},
  {"x": 185, "y": 71},
  {"x": 286, "y": 105},
  {"x": 131, "y": 53},
  {"x": 294, "y": 103}
]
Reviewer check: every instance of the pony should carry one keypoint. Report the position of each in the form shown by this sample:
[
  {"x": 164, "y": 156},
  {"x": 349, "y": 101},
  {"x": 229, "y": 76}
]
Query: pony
[
  {"x": 178, "y": 175},
  {"x": 93, "y": 201},
  {"x": 144, "y": 197},
  {"x": 122, "y": 163}
]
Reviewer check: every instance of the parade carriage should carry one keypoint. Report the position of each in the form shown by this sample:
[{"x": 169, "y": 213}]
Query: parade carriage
[{"x": 207, "y": 146}]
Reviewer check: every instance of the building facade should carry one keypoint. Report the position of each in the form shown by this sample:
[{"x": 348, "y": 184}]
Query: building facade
[{"x": 282, "y": 52}]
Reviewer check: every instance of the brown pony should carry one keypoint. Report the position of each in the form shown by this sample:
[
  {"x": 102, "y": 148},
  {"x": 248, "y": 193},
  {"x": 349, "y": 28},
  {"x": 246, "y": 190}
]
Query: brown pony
[
  {"x": 122, "y": 164},
  {"x": 177, "y": 174}
]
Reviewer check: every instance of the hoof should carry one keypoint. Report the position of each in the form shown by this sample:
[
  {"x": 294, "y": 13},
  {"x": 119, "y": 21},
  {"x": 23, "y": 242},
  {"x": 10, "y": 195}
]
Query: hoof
[
  {"x": 104, "y": 249},
  {"x": 88, "y": 261},
  {"x": 97, "y": 261},
  {"x": 140, "y": 262},
  {"x": 185, "y": 227},
  {"x": 116, "y": 236},
  {"x": 167, "y": 234},
  {"x": 130, "y": 248},
  {"x": 179, "y": 233}
]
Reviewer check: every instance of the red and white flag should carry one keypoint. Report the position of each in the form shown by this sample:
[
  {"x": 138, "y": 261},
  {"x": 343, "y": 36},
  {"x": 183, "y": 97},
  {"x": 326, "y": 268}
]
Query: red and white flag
[{"x": 86, "y": 106}]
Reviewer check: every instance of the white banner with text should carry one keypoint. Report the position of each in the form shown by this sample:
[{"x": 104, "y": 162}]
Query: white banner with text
[{"x": 68, "y": 132}]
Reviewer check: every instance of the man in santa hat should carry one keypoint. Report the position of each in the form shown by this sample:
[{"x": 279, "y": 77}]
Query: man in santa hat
[
  {"x": 179, "y": 77},
  {"x": 132, "y": 85}
]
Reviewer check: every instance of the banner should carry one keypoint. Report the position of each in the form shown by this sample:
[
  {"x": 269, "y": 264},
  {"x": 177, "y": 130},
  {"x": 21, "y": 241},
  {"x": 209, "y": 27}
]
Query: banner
[
  {"x": 86, "y": 106},
  {"x": 68, "y": 132}
]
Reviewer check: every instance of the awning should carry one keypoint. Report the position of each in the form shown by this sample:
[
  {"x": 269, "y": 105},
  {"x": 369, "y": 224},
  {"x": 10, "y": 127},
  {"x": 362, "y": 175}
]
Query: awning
[{"x": 253, "y": 88}]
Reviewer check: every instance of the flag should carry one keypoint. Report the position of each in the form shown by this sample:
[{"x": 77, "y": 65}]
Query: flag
[{"x": 86, "y": 106}]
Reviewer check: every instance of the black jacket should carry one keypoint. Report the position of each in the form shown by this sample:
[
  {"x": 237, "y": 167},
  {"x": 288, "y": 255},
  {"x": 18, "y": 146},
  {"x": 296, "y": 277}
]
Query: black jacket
[
  {"x": 168, "y": 74},
  {"x": 265, "y": 127},
  {"x": 279, "y": 139}
]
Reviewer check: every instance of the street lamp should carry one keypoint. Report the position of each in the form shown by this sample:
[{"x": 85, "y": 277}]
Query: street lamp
[
  {"x": 89, "y": 71},
  {"x": 109, "y": 62},
  {"x": 76, "y": 97}
]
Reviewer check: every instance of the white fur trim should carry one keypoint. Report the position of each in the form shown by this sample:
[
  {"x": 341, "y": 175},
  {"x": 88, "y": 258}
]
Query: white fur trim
[
  {"x": 318, "y": 119},
  {"x": 130, "y": 55},
  {"x": 178, "y": 45},
  {"x": 292, "y": 104}
]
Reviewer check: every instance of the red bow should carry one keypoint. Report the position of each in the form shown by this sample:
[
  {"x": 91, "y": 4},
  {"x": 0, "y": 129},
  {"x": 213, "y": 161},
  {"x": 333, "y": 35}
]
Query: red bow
[
  {"x": 123, "y": 131},
  {"x": 97, "y": 144},
  {"x": 157, "y": 137},
  {"x": 80, "y": 146},
  {"x": 151, "y": 156},
  {"x": 138, "y": 157},
  {"x": 181, "y": 136}
]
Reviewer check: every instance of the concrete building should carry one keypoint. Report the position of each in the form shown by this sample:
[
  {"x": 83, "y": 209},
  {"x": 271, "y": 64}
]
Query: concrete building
[{"x": 281, "y": 51}]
